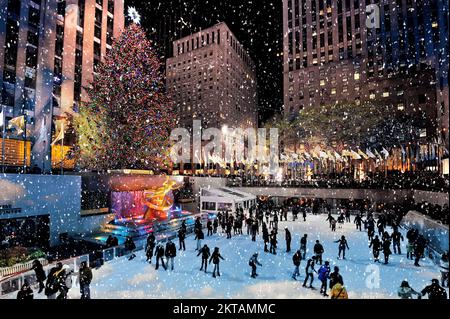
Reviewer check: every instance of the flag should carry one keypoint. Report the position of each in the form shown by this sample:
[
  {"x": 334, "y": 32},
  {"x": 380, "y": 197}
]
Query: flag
[
  {"x": 42, "y": 137},
  {"x": 363, "y": 154},
  {"x": 378, "y": 154},
  {"x": 347, "y": 153},
  {"x": 18, "y": 123},
  {"x": 370, "y": 154},
  {"x": 2, "y": 118},
  {"x": 355, "y": 155},
  {"x": 307, "y": 154},
  {"x": 322, "y": 154},
  {"x": 403, "y": 155},
  {"x": 385, "y": 153},
  {"x": 59, "y": 131},
  {"x": 337, "y": 156},
  {"x": 330, "y": 156}
]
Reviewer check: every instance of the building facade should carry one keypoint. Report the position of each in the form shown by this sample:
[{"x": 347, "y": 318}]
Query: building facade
[
  {"x": 50, "y": 50},
  {"x": 212, "y": 78},
  {"x": 396, "y": 54}
]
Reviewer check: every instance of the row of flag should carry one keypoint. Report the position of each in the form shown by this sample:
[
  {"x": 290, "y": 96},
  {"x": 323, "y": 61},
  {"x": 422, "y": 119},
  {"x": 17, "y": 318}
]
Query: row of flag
[
  {"x": 18, "y": 124},
  {"x": 335, "y": 156}
]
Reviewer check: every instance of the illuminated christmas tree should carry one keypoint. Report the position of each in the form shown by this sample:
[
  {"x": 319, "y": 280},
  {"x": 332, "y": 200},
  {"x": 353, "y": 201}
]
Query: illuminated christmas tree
[{"x": 129, "y": 118}]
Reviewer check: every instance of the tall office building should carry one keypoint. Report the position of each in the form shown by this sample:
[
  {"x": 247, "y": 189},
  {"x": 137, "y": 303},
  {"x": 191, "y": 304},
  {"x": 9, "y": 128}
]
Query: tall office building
[
  {"x": 49, "y": 53},
  {"x": 212, "y": 78},
  {"x": 400, "y": 58}
]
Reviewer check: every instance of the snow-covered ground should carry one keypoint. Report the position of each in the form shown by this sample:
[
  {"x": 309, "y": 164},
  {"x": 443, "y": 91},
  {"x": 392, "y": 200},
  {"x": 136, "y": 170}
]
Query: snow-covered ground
[{"x": 122, "y": 278}]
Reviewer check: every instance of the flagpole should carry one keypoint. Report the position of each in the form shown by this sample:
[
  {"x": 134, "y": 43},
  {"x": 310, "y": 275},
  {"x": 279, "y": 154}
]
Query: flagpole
[
  {"x": 62, "y": 149},
  {"x": 25, "y": 145},
  {"x": 3, "y": 139}
]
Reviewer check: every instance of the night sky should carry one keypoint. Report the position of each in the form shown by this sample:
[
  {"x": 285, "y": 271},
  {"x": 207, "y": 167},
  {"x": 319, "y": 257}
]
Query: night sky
[{"x": 257, "y": 25}]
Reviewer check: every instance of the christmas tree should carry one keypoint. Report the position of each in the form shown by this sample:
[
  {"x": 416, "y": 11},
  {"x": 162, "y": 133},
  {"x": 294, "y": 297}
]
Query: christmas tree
[{"x": 128, "y": 120}]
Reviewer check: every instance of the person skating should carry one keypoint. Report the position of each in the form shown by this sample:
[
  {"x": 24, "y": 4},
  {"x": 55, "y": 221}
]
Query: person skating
[
  {"x": 215, "y": 225},
  {"x": 215, "y": 258},
  {"x": 406, "y": 292},
  {"x": 339, "y": 292},
  {"x": 341, "y": 220},
  {"x": 396, "y": 238},
  {"x": 159, "y": 253},
  {"x": 249, "y": 223},
  {"x": 181, "y": 239},
  {"x": 342, "y": 246},
  {"x": 40, "y": 274},
  {"x": 25, "y": 292},
  {"x": 253, "y": 262},
  {"x": 434, "y": 291},
  {"x": 303, "y": 242},
  {"x": 386, "y": 236},
  {"x": 335, "y": 277},
  {"x": 265, "y": 236},
  {"x": 109, "y": 241},
  {"x": 229, "y": 225},
  {"x": 329, "y": 218},
  {"x": 376, "y": 248},
  {"x": 333, "y": 224},
  {"x": 199, "y": 236},
  {"x": 151, "y": 241},
  {"x": 254, "y": 229},
  {"x": 296, "y": 259},
  {"x": 310, "y": 272},
  {"x": 205, "y": 252},
  {"x": 358, "y": 222},
  {"x": 347, "y": 215},
  {"x": 64, "y": 281},
  {"x": 419, "y": 249},
  {"x": 171, "y": 253},
  {"x": 288, "y": 238},
  {"x": 324, "y": 274},
  {"x": 183, "y": 226},
  {"x": 443, "y": 265},
  {"x": 386, "y": 250},
  {"x": 318, "y": 251},
  {"x": 130, "y": 246},
  {"x": 380, "y": 226},
  {"x": 273, "y": 242},
  {"x": 51, "y": 285},
  {"x": 304, "y": 214},
  {"x": 85, "y": 278},
  {"x": 209, "y": 227}
]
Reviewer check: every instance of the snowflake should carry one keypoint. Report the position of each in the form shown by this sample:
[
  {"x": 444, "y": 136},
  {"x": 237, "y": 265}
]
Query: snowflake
[{"x": 134, "y": 15}]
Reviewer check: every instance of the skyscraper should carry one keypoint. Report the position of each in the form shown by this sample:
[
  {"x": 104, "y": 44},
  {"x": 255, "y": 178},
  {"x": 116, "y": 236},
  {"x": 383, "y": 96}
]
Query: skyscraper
[{"x": 49, "y": 52}]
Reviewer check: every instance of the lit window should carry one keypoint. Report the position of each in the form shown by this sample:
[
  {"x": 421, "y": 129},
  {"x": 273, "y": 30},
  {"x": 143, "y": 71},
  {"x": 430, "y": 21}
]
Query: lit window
[
  {"x": 333, "y": 91},
  {"x": 372, "y": 95},
  {"x": 385, "y": 94},
  {"x": 400, "y": 106},
  {"x": 322, "y": 82},
  {"x": 356, "y": 76}
]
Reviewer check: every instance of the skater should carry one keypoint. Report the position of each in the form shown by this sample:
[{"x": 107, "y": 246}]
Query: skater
[
  {"x": 419, "y": 249},
  {"x": 215, "y": 225},
  {"x": 209, "y": 227},
  {"x": 380, "y": 226},
  {"x": 358, "y": 222},
  {"x": 273, "y": 242},
  {"x": 406, "y": 292},
  {"x": 310, "y": 272},
  {"x": 275, "y": 221},
  {"x": 254, "y": 229},
  {"x": 333, "y": 224},
  {"x": 376, "y": 247},
  {"x": 329, "y": 218},
  {"x": 443, "y": 264},
  {"x": 249, "y": 223},
  {"x": 130, "y": 247},
  {"x": 181, "y": 238},
  {"x": 199, "y": 235},
  {"x": 396, "y": 238},
  {"x": 303, "y": 242},
  {"x": 265, "y": 237},
  {"x": 342, "y": 245},
  {"x": 205, "y": 255},
  {"x": 288, "y": 239},
  {"x": 318, "y": 251},
  {"x": 151, "y": 241},
  {"x": 215, "y": 258},
  {"x": 304, "y": 214},
  {"x": 335, "y": 278},
  {"x": 171, "y": 253},
  {"x": 324, "y": 274},
  {"x": 229, "y": 225},
  {"x": 85, "y": 278},
  {"x": 347, "y": 215},
  {"x": 296, "y": 259},
  {"x": 253, "y": 262},
  {"x": 25, "y": 292},
  {"x": 370, "y": 228},
  {"x": 159, "y": 253},
  {"x": 386, "y": 250},
  {"x": 110, "y": 241},
  {"x": 63, "y": 281},
  {"x": 341, "y": 219},
  {"x": 40, "y": 274},
  {"x": 51, "y": 285},
  {"x": 294, "y": 213},
  {"x": 339, "y": 292},
  {"x": 183, "y": 226},
  {"x": 434, "y": 291}
]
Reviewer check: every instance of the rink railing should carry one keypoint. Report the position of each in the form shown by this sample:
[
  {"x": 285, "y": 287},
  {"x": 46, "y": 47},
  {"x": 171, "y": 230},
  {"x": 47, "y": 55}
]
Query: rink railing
[
  {"x": 5, "y": 271},
  {"x": 12, "y": 282}
]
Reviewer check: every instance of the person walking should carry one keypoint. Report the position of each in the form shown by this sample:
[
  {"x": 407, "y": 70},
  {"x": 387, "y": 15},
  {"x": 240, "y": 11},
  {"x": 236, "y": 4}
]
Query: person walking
[
  {"x": 318, "y": 251},
  {"x": 40, "y": 274},
  {"x": 253, "y": 262},
  {"x": 215, "y": 258},
  {"x": 159, "y": 253},
  {"x": 85, "y": 278},
  {"x": 288, "y": 239},
  {"x": 205, "y": 252},
  {"x": 342, "y": 246},
  {"x": 296, "y": 259},
  {"x": 171, "y": 253}
]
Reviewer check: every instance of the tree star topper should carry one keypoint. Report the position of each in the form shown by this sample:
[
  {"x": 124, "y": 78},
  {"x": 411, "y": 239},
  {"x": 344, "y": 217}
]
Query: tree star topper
[{"x": 134, "y": 15}]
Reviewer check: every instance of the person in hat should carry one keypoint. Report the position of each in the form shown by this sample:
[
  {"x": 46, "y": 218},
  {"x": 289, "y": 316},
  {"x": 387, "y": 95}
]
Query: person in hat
[
  {"x": 434, "y": 291},
  {"x": 253, "y": 262},
  {"x": 406, "y": 292},
  {"x": 25, "y": 293},
  {"x": 339, "y": 292}
]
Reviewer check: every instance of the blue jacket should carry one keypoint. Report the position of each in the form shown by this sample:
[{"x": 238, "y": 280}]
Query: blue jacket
[{"x": 324, "y": 272}]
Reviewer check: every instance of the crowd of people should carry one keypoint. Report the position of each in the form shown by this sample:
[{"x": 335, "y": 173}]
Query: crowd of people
[{"x": 434, "y": 211}]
